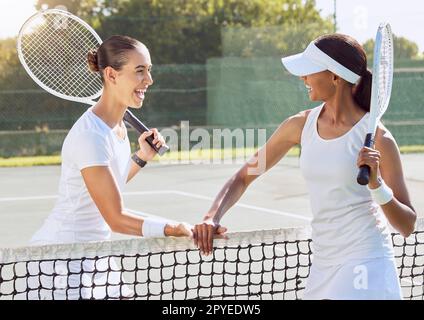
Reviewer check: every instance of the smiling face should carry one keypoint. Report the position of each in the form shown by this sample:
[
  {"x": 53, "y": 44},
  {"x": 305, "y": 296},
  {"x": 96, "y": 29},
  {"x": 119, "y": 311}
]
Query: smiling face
[
  {"x": 320, "y": 85},
  {"x": 132, "y": 81}
]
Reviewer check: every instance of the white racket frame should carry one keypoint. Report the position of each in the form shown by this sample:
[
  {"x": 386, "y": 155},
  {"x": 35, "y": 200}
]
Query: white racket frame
[
  {"x": 376, "y": 111},
  {"x": 90, "y": 100}
]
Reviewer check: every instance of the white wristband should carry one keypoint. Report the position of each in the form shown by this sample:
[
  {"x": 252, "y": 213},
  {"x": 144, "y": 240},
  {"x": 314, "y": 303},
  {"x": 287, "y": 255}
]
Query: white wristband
[
  {"x": 153, "y": 228},
  {"x": 383, "y": 194}
]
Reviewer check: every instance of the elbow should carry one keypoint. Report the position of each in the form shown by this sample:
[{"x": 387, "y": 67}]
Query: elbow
[
  {"x": 243, "y": 178},
  {"x": 115, "y": 226},
  {"x": 115, "y": 220},
  {"x": 408, "y": 228},
  {"x": 240, "y": 178},
  {"x": 405, "y": 233}
]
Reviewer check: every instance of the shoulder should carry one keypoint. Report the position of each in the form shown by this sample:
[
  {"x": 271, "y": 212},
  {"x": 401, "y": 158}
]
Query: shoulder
[
  {"x": 87, "y": 148},
  {"x": 81, "y": 142},
  {"x": 389, "y": 150},
  {"x": 291, "y": 128},
  {"x": 384, "y": 140},
  {"x": 297, "y": 120},
  {"x": 88, "y": 127},
  {"x": 86, "y": 136},
  {"x": 90, "y": 122}
]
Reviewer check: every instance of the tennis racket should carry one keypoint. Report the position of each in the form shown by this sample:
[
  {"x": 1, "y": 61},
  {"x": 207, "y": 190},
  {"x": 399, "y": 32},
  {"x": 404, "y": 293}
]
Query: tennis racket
[
  {"x": 382, "y": 77},
  {"x": 52, "y": 46}
]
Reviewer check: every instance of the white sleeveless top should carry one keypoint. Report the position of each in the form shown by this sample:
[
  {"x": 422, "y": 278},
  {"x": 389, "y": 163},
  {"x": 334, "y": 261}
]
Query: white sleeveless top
[{"x": 347, "y": 223}]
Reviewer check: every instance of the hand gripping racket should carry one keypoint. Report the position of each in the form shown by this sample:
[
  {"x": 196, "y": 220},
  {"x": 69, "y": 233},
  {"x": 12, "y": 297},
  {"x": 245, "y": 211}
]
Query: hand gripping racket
[
  {"x": 382, "y": 76},
  {"x": 52, "y": 46}
]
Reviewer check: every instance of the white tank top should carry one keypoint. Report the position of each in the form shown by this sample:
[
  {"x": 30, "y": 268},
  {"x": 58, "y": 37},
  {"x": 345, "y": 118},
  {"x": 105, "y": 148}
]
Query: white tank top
[{"x": 347, "y": 223}]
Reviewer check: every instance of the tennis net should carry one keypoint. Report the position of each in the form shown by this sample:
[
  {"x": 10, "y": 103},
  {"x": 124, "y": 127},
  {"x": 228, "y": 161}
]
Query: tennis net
[{"x": 270, "y": 264}]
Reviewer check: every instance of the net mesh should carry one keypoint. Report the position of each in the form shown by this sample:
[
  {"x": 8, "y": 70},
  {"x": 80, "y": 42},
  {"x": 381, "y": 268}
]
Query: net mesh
[
  {"x": 54, "y": 48},
  {"x": 272, "y": 264}
]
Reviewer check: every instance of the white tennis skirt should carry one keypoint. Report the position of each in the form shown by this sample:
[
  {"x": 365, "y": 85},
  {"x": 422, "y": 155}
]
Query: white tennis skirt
[{"x": 362, "y": 279}]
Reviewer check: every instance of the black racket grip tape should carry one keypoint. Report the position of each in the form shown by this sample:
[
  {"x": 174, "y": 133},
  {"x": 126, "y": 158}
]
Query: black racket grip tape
[
  {"x": 364, "y": 171},
  {"x": 140, "y": 127}
]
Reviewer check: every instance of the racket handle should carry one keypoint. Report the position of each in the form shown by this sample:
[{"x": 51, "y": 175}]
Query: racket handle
[
  {"x": 140, "y": 127},
  {"x": 364, "y": 171},
  {"x": 363, "y": 175}
]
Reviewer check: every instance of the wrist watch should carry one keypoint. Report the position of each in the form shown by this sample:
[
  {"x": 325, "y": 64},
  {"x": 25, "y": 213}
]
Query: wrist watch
[{"x": 141, "y": 163}]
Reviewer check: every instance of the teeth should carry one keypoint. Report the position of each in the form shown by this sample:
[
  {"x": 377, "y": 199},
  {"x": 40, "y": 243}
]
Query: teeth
[
  {"x": 308, "y": 87},
  {"x": 140, "y": 93}
]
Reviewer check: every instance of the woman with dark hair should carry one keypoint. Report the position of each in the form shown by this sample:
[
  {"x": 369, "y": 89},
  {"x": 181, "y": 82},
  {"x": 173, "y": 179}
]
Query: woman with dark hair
[{"x": 353, "y": 252}]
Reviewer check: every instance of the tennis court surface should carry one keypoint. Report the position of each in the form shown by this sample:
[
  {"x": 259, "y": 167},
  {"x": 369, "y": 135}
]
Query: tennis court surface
[{"x": 271, "y": 262}]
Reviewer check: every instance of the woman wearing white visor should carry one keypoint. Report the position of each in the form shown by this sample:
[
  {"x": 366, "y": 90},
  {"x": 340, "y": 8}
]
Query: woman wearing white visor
[{"x": 353, "y": 253}]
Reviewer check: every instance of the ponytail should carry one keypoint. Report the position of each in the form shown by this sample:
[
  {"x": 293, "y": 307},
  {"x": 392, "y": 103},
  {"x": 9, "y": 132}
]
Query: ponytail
[
  {"x": 362, "y": 93},
  {"x": 93, "y": 63}
]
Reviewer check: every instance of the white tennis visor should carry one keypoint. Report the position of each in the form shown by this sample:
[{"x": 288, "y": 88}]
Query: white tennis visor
[{"x": 313, "y": 60}]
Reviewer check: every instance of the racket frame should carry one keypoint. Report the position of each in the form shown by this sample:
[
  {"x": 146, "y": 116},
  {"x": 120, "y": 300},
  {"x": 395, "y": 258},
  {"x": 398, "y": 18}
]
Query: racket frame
[
  {"x": 129, "y": 117},
  {"x": 375, "y": 112}
]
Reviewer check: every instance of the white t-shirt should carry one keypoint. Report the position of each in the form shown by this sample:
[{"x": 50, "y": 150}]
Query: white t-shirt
[
  {"x": 347, "y": 224},
  {"x": 75, "y": 217}
]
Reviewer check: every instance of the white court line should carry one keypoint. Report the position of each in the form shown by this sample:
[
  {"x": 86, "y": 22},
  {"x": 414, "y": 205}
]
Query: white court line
[
  {"x": 27, "y": 198},
  {"x": 147, "y": 215},
  {"x": 181, "y": 193},
  {"x": 49, "y": 197},
  {"x": 136, "y": 193},
  {"x": 241, "y": 205}
]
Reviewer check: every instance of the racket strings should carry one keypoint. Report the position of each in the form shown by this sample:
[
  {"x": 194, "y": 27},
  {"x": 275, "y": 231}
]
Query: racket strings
[
  {"x": 385, "y": 70},
  {"x": 80, "y": 75},
  {"x": 44, "y": 69},
  {"x": 57, "y": 64},
  {"x": 47, "y": 65},
  {"x": 56, "y": 52}
]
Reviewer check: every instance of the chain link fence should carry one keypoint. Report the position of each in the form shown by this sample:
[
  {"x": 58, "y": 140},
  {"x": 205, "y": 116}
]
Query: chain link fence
[{"x": 246, "y": 87}]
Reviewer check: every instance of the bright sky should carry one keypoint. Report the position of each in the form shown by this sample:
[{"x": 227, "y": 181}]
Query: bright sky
[
  {"x": 13, "y": 14},
  {"x": 358, "y": 18}
]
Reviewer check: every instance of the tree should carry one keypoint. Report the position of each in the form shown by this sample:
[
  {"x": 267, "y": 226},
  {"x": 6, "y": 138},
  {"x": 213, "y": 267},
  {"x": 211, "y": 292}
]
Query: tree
[
  {"x": 190, "y": 31},
  {"x": 12, "y": 75},
  {"x": 88, "y": 10},
  {"x": 181, "y": 35},
  {"x": 402, "y": 48}
]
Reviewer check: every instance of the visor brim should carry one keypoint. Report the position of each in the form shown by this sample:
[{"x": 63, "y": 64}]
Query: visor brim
[{"x": 299, "y": 65}]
